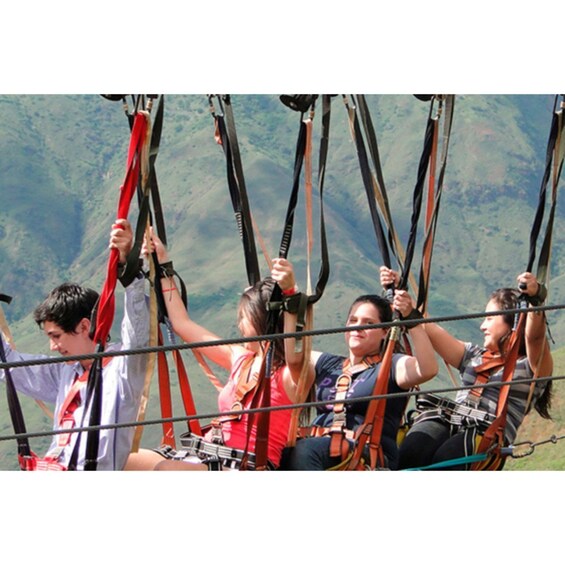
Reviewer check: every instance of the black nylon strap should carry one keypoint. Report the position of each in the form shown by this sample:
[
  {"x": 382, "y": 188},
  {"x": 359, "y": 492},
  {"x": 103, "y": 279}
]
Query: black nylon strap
[
  {"x": 367, "y": 182},
  {"x": 429, "y": 237},
  {"x": 226, "y": 128},
  {"x": 554, "y": 162},
  {"x": 14, "y": 405},
  {"x": 94, "y": 392},
  {"x": 417, "y": 202},
  {"x": 372, "y": 145}
]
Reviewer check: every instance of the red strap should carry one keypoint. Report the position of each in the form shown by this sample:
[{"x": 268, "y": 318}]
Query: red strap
[
  {"x": 106, "y": 305},
  {"x": 186, "y": 392},
  {"x": 66, "y": 418},
  {"x": 35, "y": 463},
  {"x": 165, "y": 397}
]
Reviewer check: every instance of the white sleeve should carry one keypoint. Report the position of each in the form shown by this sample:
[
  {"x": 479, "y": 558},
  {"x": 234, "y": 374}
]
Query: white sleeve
[{"x": 38, "y": 381}]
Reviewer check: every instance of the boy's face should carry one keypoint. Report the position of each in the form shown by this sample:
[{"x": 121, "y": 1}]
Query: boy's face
[{"x": 69, "y": 344}]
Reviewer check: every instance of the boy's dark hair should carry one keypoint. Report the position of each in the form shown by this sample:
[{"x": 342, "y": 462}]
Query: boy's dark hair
[{"x": 66, "y": 306}]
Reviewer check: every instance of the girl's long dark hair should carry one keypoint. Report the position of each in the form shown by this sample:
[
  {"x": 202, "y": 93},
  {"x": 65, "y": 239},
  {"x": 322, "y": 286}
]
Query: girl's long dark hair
[{"x": 253, "y": 305}]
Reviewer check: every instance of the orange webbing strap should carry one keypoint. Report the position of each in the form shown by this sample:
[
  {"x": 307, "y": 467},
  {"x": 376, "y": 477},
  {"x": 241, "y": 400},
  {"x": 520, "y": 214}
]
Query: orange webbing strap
[
  {"x": 427, "y": 248},
  {"x": 308, "y": 199},
  {"x": 207, "y": 370},
  {"x": 153, "y": 340},
  {"x": 494, "y": 435},
  {"x": 371, "y": 429},
  {"x": 445, "y": 111},
  {"x": 302, "y": 390},
  {"x": 246, "y": 384},
  {"x": 186, "y": 393},
  {"x": 263, "y": 399},
  {"x": 483, "y": 371},
  {"x": 165, "y": 396}
]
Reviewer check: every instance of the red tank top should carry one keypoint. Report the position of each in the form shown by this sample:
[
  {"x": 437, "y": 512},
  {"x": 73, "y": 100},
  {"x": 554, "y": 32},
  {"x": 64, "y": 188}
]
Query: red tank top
[{"x": 235, "y": 431}]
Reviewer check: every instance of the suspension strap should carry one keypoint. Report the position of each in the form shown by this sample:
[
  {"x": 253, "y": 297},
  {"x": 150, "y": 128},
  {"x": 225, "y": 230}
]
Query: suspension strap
[
  {"x": 553, "y": 166},
  {"x": 302, "y": 304},
  {"x": 435, "y": 190},
  {"x": 5, "y": 330},
  {"x": 14, "y": 406},
  {"x": 385, "y": 246},
  {"x": 226, "y": 136}
]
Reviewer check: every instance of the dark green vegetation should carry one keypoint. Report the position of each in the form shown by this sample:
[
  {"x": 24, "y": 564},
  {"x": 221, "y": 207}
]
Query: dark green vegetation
[{"x": 63, "y": 161}]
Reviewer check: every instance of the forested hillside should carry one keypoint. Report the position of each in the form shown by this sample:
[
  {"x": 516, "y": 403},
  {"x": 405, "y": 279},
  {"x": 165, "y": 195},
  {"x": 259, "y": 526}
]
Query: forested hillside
[{"x": 63, "y": 161}]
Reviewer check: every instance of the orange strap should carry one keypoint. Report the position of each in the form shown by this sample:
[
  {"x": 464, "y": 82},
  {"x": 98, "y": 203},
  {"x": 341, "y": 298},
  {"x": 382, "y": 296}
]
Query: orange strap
[
  {"x": 495, "y": 432},
  {"x": 484, "y": 370},
  {"x": 371, "y": 429}
]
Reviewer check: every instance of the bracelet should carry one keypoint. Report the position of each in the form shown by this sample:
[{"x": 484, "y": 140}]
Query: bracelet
[
  {"x": 290, "y": 291},
  {"x": 415, "y": 315},
  {"x": 167, "y": 269},
  {"x": 169, "y": 289},
  {"x": 539, "y": 297}
]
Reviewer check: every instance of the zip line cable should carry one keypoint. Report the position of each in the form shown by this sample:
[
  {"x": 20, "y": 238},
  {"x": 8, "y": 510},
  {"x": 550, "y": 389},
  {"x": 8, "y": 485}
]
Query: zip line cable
[
  {"x": 272, "y": 337},
  {"x": 313, "y": 404}
]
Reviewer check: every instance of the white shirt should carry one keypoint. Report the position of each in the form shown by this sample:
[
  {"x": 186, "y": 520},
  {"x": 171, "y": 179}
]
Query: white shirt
[{"x": 123, "y": 381}]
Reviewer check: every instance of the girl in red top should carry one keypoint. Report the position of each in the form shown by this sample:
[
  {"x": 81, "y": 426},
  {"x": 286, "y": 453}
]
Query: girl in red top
[{"x": 242, "y": 361}]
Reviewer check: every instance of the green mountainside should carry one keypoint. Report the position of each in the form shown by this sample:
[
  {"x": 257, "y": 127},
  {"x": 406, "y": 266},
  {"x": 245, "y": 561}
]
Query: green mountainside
[{"x": 63, "y": 161}]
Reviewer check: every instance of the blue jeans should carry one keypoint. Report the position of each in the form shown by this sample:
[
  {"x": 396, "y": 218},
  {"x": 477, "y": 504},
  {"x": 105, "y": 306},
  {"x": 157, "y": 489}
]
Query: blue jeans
[{"x": 309, "y": 454}]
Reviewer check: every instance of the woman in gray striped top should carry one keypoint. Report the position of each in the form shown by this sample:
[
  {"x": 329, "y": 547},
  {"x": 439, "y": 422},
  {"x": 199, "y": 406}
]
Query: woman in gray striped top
[{"x": 450, "y": 430}]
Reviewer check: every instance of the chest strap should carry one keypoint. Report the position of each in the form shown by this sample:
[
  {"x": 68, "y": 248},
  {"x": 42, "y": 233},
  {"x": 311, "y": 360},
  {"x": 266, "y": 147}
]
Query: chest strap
[
  {"x": 339, "y": 446},
  {"x": 246, "y": 384},
  {"x": 490, "y": 362}
]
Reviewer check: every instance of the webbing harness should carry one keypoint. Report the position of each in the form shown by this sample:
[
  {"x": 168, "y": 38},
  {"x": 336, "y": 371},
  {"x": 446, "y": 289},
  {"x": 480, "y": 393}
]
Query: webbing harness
[
  {"x": 493, "y": 439},
  {"x": 431, "y": 406},
  {"x": 459, "y": 414},
  {"x": 339, "y": 446}
]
